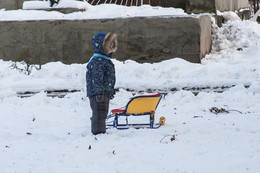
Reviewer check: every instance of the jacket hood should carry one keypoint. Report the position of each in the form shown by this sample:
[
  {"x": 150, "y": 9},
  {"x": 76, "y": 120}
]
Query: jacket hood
[{"x": 104, "y": 44}]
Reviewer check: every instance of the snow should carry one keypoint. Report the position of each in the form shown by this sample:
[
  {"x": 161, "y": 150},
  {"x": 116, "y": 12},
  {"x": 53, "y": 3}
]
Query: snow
[
  {"x": 228, "y": 15},
  {"x": 51, "y": 134},
  {"x": 30, "y": 5},
  {"x": 92, "y": 12}
]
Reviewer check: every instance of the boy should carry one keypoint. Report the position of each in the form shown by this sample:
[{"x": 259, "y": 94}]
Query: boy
[{"x": 101, "y": 79}]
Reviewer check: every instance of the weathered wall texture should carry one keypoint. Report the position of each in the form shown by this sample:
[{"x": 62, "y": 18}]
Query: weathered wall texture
[
  {"x": 167, "y": 3},
  {"x": 141, "y": 39},
  {"x": 12, "y": 4},
  {"x": 231, "y": 5},
  {"x": 199, "y": 6},
  {"x": 205, "y": 38}
]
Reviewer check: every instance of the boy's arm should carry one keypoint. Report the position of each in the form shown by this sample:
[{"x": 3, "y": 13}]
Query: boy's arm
[{"x": 98, "y": 75}]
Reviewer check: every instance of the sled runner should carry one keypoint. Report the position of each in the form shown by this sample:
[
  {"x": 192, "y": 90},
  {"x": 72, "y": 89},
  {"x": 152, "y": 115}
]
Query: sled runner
[{"x": 138, "y": 106}]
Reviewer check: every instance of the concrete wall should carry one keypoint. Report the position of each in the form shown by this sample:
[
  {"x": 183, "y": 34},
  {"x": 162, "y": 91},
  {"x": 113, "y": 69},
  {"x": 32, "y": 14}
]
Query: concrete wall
[
  {"x": 205, "y": 38},
  {"x": 199, "y": 6},
  {"x": 231, "y": 5},
  {"x": 11, "y": 4},
  {"x": 141, "y": 39},
  {"x": 167, "y": 3}
]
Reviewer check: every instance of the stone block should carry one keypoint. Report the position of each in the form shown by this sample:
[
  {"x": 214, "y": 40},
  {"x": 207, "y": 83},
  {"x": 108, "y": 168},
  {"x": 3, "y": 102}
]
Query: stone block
[{"x": 151, "y": 39}]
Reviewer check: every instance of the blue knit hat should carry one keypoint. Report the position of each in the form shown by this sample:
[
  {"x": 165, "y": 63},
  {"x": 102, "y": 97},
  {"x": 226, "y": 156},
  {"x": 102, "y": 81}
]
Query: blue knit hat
[{"x": 97, "y": 42}]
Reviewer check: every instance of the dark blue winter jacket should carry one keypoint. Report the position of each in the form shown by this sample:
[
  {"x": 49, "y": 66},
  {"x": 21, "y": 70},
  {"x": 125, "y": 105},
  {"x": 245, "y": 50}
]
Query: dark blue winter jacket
[{"x": 100, "y": 74}]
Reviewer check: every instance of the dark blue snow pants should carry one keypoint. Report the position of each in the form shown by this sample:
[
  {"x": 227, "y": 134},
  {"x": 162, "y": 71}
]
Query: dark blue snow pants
[{"x": 99, "y": 105}]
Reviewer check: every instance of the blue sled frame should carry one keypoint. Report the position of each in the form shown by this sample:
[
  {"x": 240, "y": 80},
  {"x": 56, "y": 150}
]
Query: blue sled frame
[{"x": 117, "y": 113}]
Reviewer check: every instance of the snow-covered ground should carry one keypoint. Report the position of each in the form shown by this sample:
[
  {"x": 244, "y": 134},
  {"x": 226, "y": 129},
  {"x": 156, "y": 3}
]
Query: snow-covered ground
[{"x": 42, "y": 134}]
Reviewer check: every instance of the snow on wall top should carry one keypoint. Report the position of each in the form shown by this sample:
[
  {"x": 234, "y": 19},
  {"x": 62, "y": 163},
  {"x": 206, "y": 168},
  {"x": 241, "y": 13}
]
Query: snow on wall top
[{"x": 103, "y": 11}]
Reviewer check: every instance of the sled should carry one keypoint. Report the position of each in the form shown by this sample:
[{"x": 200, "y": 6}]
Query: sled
[{"x": 138, "y": 106}]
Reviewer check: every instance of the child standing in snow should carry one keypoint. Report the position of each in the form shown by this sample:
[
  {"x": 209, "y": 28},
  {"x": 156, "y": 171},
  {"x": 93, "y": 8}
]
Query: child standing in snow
[{"x": 101, "y": 79}]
